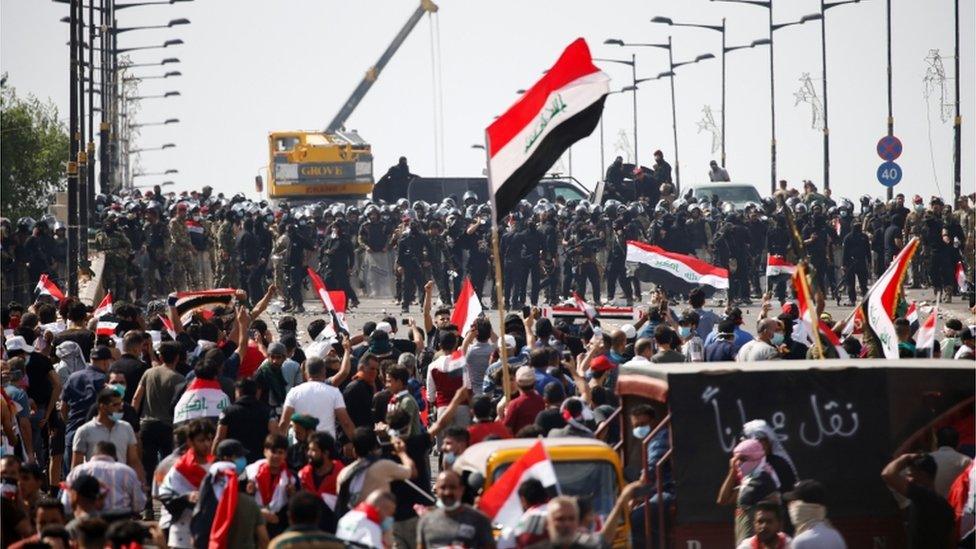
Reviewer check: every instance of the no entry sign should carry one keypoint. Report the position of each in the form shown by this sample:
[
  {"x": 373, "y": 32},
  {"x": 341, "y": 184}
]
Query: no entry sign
[{"x": 889, "y": 148}]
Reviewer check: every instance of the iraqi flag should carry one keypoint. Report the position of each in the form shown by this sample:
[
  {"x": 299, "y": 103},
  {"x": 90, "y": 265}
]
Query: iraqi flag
[
  {"x": 47, "y": 286},
  {"x": 199, "y": 301},
  {"x": 213, "y": 515},
  {"x": 676, "y": 272},
  {"x": 106, "y": 326},
  {"x": 808, "y": 317},
  {"x": 911, "y": 315},
  {"x": 333, "y": 301},
  {"x": 168, "y": 326},
  {"x": 203, "y": 398},
  {"x": 559, "y": 110},
  {"x": 778, "y": 265},
  {"x": 961, "y": 281},
  {"x": 925, "y": 338},
  {"x": 501, "y": 501},
  {"x": 883, "y": 300},
  {"x": 467, "y": 308},
  {"x": 584, "y": 307},
  {"x": 269, "y": 492},
  {"x": 105, "y": 307}
]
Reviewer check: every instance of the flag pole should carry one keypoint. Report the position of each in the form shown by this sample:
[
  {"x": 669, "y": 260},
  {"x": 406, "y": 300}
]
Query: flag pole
[
  {"x": 811, "y": 307},
  {"x": 499, "y": 292}
]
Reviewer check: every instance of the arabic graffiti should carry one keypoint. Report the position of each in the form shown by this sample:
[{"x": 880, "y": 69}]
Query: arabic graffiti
[
  {"x": 556, "y": 106},
  {"x": 836, "y": 424}
]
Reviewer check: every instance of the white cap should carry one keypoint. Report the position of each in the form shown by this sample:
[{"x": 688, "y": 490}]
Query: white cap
[
  {"x": 18, "y": 343},
  {"x": 384, "y": 327},
  {"x": 629, "y": 331},
  {"x": 510, "y": 341}
]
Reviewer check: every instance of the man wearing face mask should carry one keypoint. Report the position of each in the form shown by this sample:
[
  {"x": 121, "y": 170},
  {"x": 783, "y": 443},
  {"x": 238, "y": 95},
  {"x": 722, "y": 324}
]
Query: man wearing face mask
[
  {"x": 749, "y": 481},
  {"x": 226, "y": 515},
  {"x": 453, "y": 523},
  {"x": 767, "y": 344},
  {"x": 109, "y": 426},
  {"x": 371, "y": 522},
  {"x": 808, "y": 514}
]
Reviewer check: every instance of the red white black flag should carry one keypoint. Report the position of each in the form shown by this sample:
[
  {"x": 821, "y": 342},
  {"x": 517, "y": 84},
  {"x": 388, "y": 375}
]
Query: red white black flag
[{"x": 559, "y": 110}]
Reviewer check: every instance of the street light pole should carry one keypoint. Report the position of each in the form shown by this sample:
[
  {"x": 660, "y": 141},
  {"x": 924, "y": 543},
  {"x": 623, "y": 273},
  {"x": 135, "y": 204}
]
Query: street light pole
[
  {"x": 772, "y": 107},
  {"x": 674, "y": 121},
  {"x": 73, "y": 70},
  {"x": 957, "y": 125},
  {"x": 824, "y": 6},
  {"x": 633, "y": 73},
  {"x": 724, "y": 51},
  {"x": 891, "y": 118}
]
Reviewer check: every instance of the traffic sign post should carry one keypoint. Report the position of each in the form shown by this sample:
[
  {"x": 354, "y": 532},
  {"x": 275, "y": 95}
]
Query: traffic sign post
[
  {"x": 889, "y": 174},
  {"x": 889, "y": 148}
]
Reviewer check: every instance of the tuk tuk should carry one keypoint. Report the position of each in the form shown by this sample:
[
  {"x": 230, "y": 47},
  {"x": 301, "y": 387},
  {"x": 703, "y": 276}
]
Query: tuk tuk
[
  {"x": 841, "y": 422},
  {"x": 584, "y": 467}
]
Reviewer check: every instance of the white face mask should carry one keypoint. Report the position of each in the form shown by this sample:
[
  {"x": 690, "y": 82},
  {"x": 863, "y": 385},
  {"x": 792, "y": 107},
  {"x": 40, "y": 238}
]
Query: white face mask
[{"x": 451, "y": 507}]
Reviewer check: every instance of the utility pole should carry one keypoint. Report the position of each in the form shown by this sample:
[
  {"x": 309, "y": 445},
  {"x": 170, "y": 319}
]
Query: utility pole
[
  {"x": 633, "y": 72},
  {"x": 772, "y": 108},
  {"x": 891, "y": 117},
  {"x": 82, "y": 230},
  {"x": 957, "y": 125},
  {"x": 674, "y": 121},
  {"x": 72, "y": 173}
]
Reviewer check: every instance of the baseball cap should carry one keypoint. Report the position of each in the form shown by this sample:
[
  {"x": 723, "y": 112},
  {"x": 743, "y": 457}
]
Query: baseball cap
[
  {"x": 87, "y": 486},
  {"x": 601, "y": 364},
  {"x": 525, "y": 375},
  {"x": 17, "y": 343},
  {"x": 807, "y": 491},
  {"x": 101, "y": 353},
  {"x": 510, "y": 341},
  {"x": 384, "y": 327},
  {"x": 629, "y": 331},
  {"x": 230, "y": 447}
]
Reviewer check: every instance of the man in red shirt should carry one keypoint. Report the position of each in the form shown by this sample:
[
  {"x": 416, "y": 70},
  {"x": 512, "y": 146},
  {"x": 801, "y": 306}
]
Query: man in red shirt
[
  {"x": 483, "y": 425},
  {"x": 523, "y": 409}
]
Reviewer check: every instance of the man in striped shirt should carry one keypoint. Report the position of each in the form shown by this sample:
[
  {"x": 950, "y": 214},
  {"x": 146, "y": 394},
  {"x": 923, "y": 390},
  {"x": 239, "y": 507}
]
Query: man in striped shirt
[{"x": 121, "y": 485}]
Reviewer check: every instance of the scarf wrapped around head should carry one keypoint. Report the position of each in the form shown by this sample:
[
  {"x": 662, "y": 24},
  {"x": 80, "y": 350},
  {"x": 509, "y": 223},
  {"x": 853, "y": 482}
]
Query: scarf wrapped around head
[
  {"x": 804, "y": 515},
  {"x": 752, "y": 459},
  {"x": 758, "y": 428},
  {"x": 71, "y": 356}
]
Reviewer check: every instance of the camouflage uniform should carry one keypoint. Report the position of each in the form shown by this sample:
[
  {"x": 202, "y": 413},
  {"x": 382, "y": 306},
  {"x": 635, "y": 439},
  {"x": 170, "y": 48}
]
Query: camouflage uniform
[
  {"x": 181, "y": 254},
  {"x": 915, "y": 226},
  {"x": 225, "y": 275},
  {"x": 279, "y": 255},
  {"x": 966, "y": 217},
  {"x": 116, "y": 247}
]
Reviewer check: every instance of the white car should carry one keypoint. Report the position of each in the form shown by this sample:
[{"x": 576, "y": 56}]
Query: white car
[{"x": 737, "y": 194}]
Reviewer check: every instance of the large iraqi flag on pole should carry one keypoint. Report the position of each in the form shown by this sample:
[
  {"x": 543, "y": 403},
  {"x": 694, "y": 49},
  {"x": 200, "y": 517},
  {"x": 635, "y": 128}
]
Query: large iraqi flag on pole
[
  {"x": 559, "y": 110},
  {"x": 677, "y": 271},
  {"x": 883, "y": 299}
]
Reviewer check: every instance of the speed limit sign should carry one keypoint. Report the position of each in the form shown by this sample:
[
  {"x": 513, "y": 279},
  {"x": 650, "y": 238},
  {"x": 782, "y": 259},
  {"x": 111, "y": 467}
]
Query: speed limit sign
[{"x": 889, "y": 174}]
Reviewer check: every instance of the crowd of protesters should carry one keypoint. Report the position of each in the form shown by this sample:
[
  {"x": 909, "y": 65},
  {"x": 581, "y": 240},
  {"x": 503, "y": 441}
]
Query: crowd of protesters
[{"x": 325, "y": 435}]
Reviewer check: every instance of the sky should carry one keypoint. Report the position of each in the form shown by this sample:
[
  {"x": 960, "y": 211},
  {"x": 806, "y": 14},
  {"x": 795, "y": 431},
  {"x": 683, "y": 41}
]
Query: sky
[{"x": 249, "y": 67}]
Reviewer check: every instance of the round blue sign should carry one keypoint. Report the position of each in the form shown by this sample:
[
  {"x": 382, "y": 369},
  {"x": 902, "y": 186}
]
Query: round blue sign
[{"x": 889, "y": 174}]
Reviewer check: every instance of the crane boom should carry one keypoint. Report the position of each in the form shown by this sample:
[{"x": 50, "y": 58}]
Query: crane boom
[{"x": 426, "y": 6}]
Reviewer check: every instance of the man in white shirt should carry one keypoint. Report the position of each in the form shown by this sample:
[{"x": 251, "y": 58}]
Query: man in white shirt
[
  {"x": 318, "y": 399},
  {"x": 766, "y": 345},
  {"x": 968, "y": 347},
  {"x": 643, "y": 350},
  {"x": 370, "y": 522},
  {"x": 948, "y": 461}
]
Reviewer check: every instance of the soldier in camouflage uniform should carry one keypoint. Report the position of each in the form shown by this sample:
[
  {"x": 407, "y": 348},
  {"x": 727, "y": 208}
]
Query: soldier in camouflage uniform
[
  {"x": 181, "y": 252},
  {"x": 116, "y": 247},
  {"x": 157, "y": 237},
  {"x": 915, "y": 226},
  {"x": 225, "y": 275},
  {"x": 279, "y": 259}
]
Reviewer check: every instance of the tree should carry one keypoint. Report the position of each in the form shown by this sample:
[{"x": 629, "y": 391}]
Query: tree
[{"x": 33, "y": 150}]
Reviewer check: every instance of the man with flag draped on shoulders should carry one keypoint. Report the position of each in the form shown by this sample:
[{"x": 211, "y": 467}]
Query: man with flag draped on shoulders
[
  {"x": 225, "y": 514},
  {"x": 272, "y": 484},
  {"x": 180, "y": 488}
]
